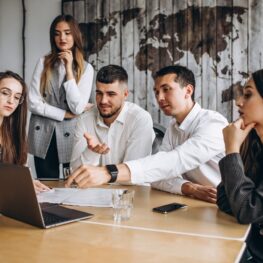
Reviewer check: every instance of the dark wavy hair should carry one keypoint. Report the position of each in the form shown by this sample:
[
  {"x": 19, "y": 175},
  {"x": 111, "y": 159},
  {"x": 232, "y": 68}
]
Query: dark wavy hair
[
  {"x": 13, "y": 128},
  {"x": 251, "y": 150}
]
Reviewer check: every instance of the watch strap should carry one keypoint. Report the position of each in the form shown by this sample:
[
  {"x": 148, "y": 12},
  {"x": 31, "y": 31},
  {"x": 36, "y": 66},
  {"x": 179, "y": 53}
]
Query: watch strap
[{"x": 113, "y": 171}]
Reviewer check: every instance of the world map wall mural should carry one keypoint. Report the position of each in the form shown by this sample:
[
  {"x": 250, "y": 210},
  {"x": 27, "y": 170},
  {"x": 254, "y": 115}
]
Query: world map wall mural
[{"x": 212, "y": 38}]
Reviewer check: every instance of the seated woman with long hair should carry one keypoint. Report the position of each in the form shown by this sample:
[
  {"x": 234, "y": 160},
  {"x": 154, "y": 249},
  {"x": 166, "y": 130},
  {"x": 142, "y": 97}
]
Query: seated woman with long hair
[
  {"x": 241, "y": 191},
  {"x": 13, "y": 118}
]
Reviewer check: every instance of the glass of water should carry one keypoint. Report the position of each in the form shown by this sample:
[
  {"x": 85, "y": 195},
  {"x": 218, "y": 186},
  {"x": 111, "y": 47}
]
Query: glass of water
[{"x": 122, "y": 203}]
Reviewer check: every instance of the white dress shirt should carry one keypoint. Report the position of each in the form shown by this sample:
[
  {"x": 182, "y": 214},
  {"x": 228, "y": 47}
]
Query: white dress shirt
[
  {"x": 129, "y": 137},
  {"x": 189, "y": 152},
  {"x": 77, "y": 94}
]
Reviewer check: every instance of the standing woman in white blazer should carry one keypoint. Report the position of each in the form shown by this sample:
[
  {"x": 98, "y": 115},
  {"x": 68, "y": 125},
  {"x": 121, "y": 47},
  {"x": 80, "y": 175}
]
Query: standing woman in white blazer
[{"x": 60, "y": 90}]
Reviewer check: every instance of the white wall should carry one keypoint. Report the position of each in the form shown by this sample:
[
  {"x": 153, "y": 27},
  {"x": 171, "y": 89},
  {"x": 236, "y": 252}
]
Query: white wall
[
  {"x": 10, "y": 35},
  {"x": 39, "y": 15}
]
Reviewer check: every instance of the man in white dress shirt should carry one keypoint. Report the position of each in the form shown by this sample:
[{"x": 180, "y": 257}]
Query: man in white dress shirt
[
  {"x": 187, "y": 162},
  {"x": 116, "y": 130}
]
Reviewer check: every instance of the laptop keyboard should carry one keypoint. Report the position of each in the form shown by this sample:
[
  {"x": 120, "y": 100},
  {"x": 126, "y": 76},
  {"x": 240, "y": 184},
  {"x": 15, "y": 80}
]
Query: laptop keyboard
[{"x": 51, "y": 219}]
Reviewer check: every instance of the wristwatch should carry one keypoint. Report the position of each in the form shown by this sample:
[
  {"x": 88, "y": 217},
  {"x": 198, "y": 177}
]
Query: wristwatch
[{"x": 113, "y": 171}]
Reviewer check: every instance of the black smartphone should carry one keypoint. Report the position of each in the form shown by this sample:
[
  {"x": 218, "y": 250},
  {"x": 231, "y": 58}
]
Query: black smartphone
[{"x": 164, "y": 209}]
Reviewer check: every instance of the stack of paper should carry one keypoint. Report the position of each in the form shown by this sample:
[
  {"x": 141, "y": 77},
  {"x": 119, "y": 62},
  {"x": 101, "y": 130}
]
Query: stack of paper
[{"x": 82, "y": 197}]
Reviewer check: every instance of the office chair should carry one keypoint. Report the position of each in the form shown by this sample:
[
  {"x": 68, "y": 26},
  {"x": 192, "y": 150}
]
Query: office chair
[{"x": 159, "y": 134}]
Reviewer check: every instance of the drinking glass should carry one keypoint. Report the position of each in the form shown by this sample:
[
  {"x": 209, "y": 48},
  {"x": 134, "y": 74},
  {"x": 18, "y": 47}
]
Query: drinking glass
[{"x": 122, "y": 203}]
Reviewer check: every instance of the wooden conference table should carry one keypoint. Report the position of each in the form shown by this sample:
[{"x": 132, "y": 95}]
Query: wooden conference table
[{"x": 198, "y": 233}]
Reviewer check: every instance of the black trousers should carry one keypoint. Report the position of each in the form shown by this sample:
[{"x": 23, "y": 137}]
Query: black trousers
[{"x": 49, "y": 167}]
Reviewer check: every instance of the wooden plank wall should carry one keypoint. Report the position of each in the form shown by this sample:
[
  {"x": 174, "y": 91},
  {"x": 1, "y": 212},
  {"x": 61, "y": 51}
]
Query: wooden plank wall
[{"x": 220, "y": 40}]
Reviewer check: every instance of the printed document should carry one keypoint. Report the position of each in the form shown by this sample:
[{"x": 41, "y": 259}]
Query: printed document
[{"x": 97, "y": 197}]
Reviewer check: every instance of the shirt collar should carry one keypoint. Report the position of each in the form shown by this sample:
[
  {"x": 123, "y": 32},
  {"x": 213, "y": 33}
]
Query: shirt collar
[
  {"x": 121, "y": 117},
  {"x": 185, "y": 125}
]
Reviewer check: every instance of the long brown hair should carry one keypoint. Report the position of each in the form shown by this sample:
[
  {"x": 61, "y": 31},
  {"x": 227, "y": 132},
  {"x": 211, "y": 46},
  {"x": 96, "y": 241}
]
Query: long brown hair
[
  {"x": 251, "y": 150},
  {"x": 13, "y": 128},
  {"x": 52, "y": 58}
]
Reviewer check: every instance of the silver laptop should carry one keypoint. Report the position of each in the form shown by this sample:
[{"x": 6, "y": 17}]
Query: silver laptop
[{"x": 19, "y": 201}]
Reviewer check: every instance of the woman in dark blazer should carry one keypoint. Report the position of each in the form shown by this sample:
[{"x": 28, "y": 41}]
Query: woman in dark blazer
[{"x": 241, "y": 191}]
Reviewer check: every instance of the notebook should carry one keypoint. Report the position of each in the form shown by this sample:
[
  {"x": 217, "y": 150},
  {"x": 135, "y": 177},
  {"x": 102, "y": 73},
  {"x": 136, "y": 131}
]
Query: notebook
[{"x": 19, "y": 201}]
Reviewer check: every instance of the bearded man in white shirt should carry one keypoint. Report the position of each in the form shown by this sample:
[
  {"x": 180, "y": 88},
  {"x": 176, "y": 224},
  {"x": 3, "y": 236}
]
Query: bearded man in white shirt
[
  {"x": 116, "y": 130},
  {"x": 187, "y": 162}
]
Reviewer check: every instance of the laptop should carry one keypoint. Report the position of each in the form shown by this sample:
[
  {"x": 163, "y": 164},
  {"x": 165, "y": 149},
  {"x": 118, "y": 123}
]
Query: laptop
[{"x": 18, "y": 200}]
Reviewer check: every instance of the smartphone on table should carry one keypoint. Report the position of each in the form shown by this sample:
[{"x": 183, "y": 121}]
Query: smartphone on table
[{"x": 164, "y": 209}]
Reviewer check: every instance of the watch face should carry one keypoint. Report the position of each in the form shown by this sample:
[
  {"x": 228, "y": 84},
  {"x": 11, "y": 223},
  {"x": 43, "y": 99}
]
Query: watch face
[
  {"x": 113, "y": 171},
  {"x": 112, "y": 168}
]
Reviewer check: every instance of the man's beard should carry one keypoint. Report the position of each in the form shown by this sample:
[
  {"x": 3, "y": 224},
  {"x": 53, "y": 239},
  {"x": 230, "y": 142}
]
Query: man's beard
[{"x": 109, "y": 115}]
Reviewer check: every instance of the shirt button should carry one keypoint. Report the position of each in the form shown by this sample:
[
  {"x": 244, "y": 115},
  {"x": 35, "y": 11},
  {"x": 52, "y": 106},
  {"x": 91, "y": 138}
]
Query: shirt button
[{"x": 66, "y": 134}]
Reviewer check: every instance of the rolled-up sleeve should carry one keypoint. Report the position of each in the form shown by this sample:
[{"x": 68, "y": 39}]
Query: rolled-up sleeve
[{"x": 81, "y": 154}]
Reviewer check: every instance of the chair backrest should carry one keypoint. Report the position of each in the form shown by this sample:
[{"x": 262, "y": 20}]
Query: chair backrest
[{"x": 159, "y": 134}]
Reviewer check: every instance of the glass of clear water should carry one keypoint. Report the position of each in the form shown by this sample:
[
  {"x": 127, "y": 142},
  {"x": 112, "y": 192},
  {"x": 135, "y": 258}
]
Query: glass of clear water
[{"x": 122, "y": 203}]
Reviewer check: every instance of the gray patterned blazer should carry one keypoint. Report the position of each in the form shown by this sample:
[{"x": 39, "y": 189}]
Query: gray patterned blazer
[{"x": 41, "y": 128}]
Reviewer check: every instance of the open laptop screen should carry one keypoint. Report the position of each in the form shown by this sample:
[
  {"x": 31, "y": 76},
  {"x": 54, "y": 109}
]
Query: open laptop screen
[{"x": 19, "y": 201}]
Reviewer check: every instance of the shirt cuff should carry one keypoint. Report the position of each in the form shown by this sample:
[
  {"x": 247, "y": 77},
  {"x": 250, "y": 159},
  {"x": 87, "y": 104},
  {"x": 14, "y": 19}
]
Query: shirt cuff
[
  {"x": 136, "y": 172},
  {"x": 179, "y": 183},
  {"x": 172, "y": 185},
  {"x": 54, "y": 113}
]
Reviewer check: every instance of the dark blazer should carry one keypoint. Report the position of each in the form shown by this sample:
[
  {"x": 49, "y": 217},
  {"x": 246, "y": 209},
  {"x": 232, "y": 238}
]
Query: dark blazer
[{"x": 238, "y": 195}]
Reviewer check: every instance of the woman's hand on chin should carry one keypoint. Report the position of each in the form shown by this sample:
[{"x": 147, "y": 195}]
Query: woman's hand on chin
[{"x": 234, "y": 135}]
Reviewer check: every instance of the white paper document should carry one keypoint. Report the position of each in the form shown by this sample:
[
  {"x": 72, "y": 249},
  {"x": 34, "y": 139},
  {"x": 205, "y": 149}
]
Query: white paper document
[{"x": 97, "y": 197}]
